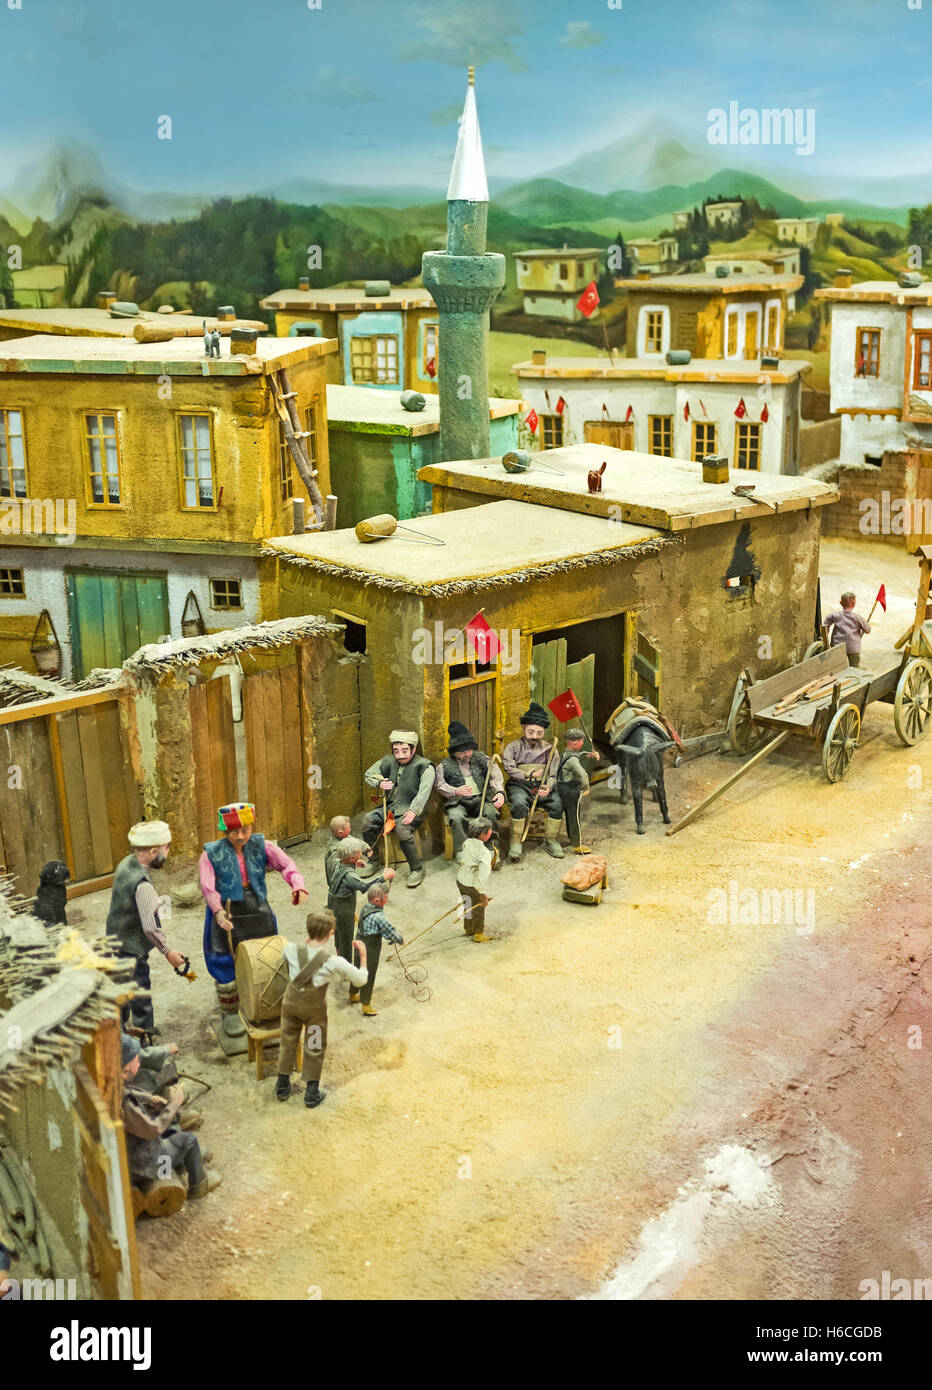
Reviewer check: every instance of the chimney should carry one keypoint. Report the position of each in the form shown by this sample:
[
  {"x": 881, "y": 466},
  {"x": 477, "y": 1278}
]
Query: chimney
[
  {"x": 243, "y": 340},
  {"x": 843, "y": 277},
  {"x": 714, "y": 470},
  {"x": 643, "y": 274},
  {"x": 226, "y": 313},
  {"x": 304, "y": 282},
  {"x": 105, "y": 298},
  {"x": 377, "y": 289},
  {"x": 539, "y": 356}
]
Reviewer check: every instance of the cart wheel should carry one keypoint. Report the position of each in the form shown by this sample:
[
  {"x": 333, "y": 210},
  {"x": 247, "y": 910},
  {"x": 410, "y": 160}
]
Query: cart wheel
[
  {"x": 841, "y": 739},
  {"x": 912, "y": 705},
  {"x": 742, "y": 735},
  {"x": 814, "y": 648}
]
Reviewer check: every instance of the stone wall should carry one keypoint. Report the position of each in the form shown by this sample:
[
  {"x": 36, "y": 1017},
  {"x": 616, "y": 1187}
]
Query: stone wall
[{"x": 861, "y": 483}]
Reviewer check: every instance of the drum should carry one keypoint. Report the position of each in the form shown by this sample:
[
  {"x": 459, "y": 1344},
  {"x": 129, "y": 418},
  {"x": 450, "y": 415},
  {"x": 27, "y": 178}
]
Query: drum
[{"x": 261, "y": 977}]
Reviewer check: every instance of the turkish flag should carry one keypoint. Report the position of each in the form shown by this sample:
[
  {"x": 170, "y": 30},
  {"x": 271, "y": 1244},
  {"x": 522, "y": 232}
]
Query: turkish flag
[
  {"x": 483, "y": 637},
  {"x": 547, "y": 399},
  {"x": 628, "y": 413},
  {"x": 605, "y": 414},
  {"x": 430, "y": 367},
  {"x": 588, "y": 301},
  {"x": 704, "y": 411},
  {"x": 764, "y": 415},
  {"x": 882, "y": 597},
  {"x": 686, "y": 411},
  {"x": 389, "y": 825},
  {"x": 741, "y": 409},
  {"x": 561, "y": 406},
  {"x": 532, "y": 420},
  {"x": 565, "y": 707}
]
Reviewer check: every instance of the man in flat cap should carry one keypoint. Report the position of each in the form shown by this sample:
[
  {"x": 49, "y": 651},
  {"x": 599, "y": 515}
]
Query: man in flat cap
[
  {"x": 406, "y": 779},
  {"x": 133, "y": 917},
  {"x": 232, "y": 876},
  {"x": 460, "y": 780},
  {"x": 527, "y": 761}
]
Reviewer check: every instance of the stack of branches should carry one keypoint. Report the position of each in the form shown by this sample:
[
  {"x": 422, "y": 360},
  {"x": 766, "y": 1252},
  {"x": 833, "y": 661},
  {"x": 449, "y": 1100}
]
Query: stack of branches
[{"x": 190, "y": 651}]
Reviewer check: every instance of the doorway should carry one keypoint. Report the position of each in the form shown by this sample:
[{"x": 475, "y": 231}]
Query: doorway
[
  {"x": 112, "y": 614},
  {"x": 617, "y": 434},
  {"x": 587, "y": 658}
]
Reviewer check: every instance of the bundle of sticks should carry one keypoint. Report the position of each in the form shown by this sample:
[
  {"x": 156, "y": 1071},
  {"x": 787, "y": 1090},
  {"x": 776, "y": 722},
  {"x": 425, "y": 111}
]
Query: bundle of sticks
[{"x": 814, "y": 690}]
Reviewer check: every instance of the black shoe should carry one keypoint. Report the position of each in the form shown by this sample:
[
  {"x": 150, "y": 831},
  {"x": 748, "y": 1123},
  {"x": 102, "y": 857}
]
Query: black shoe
[
  {"x": 283, "y": 1088},
  {"x": 313, "y": 1095}
]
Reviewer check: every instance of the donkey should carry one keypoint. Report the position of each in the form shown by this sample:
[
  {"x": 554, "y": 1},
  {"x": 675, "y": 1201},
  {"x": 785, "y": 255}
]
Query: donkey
[{"x": 640, "y": 757}]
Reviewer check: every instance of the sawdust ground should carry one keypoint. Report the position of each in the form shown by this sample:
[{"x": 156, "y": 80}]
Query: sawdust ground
[{"x": 510, "y": 1137}]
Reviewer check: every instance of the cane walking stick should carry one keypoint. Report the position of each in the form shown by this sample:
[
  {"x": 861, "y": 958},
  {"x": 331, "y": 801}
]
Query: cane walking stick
[
  {"x": 384, "y": 823},
  {"x": 527, "y": 823}
]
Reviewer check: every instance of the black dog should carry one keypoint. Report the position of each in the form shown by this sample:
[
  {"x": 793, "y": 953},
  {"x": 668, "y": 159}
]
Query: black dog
[
  {"x": 51, "y": 894},
  {"x": 640, "y": 757}
]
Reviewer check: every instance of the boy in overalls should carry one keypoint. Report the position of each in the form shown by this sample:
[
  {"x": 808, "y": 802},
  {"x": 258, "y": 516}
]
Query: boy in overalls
[{"x": 311, "y": 967}]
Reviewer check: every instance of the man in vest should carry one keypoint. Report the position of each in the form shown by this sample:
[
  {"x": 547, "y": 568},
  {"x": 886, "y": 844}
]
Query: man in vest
[
  {"x": 232, "y": 877},
  {"x": 460, "y": 780},
  {"x": 133, "y": 917},
  {"x": 406, "y": 778},
  {"x": 526, "y": 760}
]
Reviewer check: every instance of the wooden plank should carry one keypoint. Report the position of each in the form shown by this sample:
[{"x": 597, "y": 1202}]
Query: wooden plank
[
  {"x": 113, "y": 767},
  {"x": 81, "y": 700},
  {"x": 559, "y": 675},
  {"x": 220, "y": 737},
  {"x": 94, "y": 792},
  {"x": 772, "y": 690},
  {"x": 90, "y": 885},
  {"x": 253, "y": 724},
  {"x": 41, "y": 822},
  {"x": 765, "y": 752},
  {"x": 631, "y": 646},
  {"x": 200, "y": 745},
  {"x": 275, "y": 813},
  {"x": 295, "y": 772},
  {"x": 12, "y": 815},
  {"x": 61, "y": 794},
  {"x": 73, "y": 773},
  {"x": 586, "y": 693}
]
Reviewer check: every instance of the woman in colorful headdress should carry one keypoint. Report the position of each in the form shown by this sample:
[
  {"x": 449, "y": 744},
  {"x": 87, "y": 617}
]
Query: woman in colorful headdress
[{"x": 232, "y": 877}]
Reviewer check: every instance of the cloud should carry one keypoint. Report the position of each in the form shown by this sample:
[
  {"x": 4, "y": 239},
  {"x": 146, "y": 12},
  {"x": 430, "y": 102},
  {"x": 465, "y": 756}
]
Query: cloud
[
  {"x": 484, "y": 31},
  {"x": 447, "y": 114},
  {"x": 580, "y": 34},
  {"x": 330, "y": 84}
]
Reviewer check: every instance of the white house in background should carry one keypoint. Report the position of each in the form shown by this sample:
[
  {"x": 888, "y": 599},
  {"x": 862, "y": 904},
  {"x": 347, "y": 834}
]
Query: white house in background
[
  {"x": 734, "y": 317},
  {"x": 723, "y": 214},
  {"x": 783, "y": 260},
  {"x": 685, "y": 412},
  {"x": 649, "y": 253},
  {"x": 552, "y": 281},
  {"x": 881, "y": 364},
  {"x": 801, "y": 230},
  {"x": 681, "y": 220}
]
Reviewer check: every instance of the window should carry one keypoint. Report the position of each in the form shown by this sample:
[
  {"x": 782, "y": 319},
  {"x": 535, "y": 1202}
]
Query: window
[
  {"x": 12, "y": 584},
  {"x": 12, "y": 455},
  {"x": 354, "y": 632},
  {"x": 731, "y": 341},
  {"x": 430, "y": 346},
  {"x": 103, "y": 461},
  {"x": 922, "y": 359},
  {"x": 773, "y": 326},
  {"x": 225, "y": 593},
  {"x": 375, "y": 360},
  {"x": 285, "y": 466},
  {"x": 703, "y": 440},
  {"x": 564, "y": 270},
  {"x": 653, "y": 330},
  {"x": 660, "y": 434},
  {"x": 197, "y": 464},
  {"x": 867, "y": 352},
  {"x": 747, "y": 444},
  {"x": 551, "y": 431}
]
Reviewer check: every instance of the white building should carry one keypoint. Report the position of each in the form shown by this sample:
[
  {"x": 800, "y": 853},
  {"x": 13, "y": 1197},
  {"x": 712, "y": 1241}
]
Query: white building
[
  {"x": 801, "y": 230},
  {"x": 660, "y": 253},
  {"x": 685, "y": 411},
  {"x": 881, "y": 365},
  {"x": 723, "y": 214},
  {"x": 681, "y": 220}
]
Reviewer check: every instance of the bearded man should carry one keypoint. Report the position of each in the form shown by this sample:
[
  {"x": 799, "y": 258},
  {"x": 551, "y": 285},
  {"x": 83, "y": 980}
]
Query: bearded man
[{"x": 526, "y": 761}]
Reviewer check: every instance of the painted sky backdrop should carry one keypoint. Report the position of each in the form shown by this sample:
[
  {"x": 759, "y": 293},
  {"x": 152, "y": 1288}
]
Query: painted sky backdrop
[{"x": 368, "y": 91}]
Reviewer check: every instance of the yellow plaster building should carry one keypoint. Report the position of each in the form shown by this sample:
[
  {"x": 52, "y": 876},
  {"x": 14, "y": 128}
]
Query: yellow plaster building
[
  {"x": 134, "y": 476},
  {"x": 731, "y": 317}
]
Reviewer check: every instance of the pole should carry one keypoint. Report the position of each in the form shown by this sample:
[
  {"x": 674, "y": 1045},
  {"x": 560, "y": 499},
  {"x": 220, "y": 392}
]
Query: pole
[
  {"x": 765, "y": 752},
  {"x": 527, "y": 823},
  {"x": 384, "y": 819}
]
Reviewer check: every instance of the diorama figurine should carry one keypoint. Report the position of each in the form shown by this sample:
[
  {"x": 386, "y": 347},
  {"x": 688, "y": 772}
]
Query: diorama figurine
[
  {"x": 847, "y": 628},
  {"x": 529, "y": 765}
]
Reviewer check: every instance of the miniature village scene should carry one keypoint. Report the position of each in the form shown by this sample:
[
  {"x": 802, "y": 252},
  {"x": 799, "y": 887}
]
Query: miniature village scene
[{"x": 494, "y": 513}]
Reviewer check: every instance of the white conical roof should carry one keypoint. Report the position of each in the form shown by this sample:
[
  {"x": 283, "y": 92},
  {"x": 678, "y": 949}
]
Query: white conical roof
[{"x": 467, "y": 180}]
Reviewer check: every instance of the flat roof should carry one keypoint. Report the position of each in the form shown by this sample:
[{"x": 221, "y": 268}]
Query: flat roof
[
  {"x": 368, "y": 411},
  {"x": 703, "y": 369},
  {"x": 699, "y": 281},
  {"x": 345, "y": 301},
  {"x": 878, "y": 292},
  {"x": 180, "y": 357},
  {"x": 88, "y": 323},
  {"x": 557, "y": 254},
  {"x": 507, "y": 542},
  {"x": 640, "y": 489}
]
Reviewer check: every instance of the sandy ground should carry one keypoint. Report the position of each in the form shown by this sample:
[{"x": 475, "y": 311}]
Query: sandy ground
[{"x": 638, "y": 1098}]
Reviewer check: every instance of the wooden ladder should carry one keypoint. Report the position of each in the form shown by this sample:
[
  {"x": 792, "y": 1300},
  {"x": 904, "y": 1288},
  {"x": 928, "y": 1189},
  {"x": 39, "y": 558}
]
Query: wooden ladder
[{"x": 284, "y": 398}]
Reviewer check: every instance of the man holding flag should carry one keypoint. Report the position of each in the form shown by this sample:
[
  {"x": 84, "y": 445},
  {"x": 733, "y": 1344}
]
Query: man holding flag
[{"x": 847, "y": 626}]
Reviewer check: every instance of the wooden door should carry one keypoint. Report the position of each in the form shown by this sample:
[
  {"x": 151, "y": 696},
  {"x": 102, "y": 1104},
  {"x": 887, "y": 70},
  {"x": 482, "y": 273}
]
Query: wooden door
[
  {"x": 647, "y": 671},
  {"x": 275, "y": 752},
  {"x": 921, "y": 512},
  {"x": 551, "y": 676},
  {"x": 215, "y": 780},
  {"x": 618, "y": 434},
  {"x": 473, "y": 702},
  {"x": 751, "y": 325},
  {"x": 112, "y": 614}
]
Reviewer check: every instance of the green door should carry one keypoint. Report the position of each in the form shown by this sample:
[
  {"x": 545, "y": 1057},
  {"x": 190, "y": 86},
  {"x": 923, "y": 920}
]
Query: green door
[{"x": 112, "y": 615}]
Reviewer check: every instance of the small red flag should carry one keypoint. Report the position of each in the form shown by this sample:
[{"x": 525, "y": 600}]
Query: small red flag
[
  {"x": 764, "y": 415},
  {"x": 547, "y": 398},
  {"x": 389, "y": 825},
  {"x": 565, "y": 706},
  {"x": 605, "y": 414},
  {"x": 588, "y": 301},
  {"x": 628, "y": 413},
  {"x": 686, "y": 411},
  {"x": 430, "y": 367},
  {"x": 882, "y": 597},
  {"x": 704, "y": 411},
  {"x": 483, "y": 637},
  {"x": 561, "y": 406},
  {"x": 532, "y": 420},
  {"x": 741, "y": 409}
]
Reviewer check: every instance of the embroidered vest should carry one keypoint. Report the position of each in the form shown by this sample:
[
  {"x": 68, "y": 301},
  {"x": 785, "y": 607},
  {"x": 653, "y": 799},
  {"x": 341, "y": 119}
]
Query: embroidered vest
[
  {"x": 224, "y": 859},
  {"x": 453, "y": 772}
]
